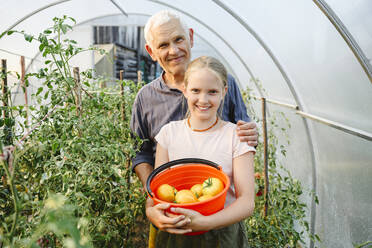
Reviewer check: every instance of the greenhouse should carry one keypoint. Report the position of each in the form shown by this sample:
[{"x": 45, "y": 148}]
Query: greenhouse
[{"x": 70, "y": 73}]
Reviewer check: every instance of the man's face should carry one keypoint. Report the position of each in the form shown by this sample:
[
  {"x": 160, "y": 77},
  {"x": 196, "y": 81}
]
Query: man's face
[{"x": 171, "y": 47}]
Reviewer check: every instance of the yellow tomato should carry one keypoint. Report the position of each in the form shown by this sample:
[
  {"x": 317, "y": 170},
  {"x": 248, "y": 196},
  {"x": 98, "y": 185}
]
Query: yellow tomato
[
  {"x": 204, "y": 197},
  {"x": 212, "y": 186},
  {"x": 185, "y": 196},
  {"x": 197, "y": 190},
  {"x": 165, "y": 192}
]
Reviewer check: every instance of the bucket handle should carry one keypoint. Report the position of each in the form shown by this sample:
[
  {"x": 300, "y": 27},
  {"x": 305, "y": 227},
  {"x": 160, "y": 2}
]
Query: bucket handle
[{"x": 176, "y": 162}]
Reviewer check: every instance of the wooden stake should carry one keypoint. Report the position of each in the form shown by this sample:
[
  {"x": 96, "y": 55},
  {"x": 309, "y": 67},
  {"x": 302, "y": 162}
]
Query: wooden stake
[
  {"x": 4, "y": 84},
  {"x": 77, "y": 90},
  {"x": 24, "y": 87},
  {"x": 78, "y": 101},
  {"x": 4, "y": 87},
  {"x": 266, "y": 169},
  {"x": 122, "y": 95},
  {"x": 139, "y": 76}
]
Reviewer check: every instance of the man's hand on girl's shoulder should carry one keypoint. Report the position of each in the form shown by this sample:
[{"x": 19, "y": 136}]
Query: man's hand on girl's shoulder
[{"x": 247, "y": 132}]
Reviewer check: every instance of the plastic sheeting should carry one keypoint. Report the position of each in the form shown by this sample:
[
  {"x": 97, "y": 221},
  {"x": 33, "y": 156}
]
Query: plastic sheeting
[{"x": 298, "y": 55}]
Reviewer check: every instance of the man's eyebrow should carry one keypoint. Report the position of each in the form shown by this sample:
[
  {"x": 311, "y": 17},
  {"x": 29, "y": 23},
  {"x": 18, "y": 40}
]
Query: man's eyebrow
[{"x": 179, "y": 36}]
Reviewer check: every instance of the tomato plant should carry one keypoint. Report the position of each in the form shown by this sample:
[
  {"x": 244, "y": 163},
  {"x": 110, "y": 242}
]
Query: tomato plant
[
  {"x": 73, "y": 185},
  {"x": 285, "y": 209}
]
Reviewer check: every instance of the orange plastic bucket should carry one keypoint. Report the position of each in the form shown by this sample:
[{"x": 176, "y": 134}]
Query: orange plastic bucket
[{"x": 183, "y": 174}]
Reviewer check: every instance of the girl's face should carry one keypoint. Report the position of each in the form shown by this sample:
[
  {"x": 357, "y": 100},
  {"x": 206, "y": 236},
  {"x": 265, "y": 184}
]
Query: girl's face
[{"x": 204, "y": 93}]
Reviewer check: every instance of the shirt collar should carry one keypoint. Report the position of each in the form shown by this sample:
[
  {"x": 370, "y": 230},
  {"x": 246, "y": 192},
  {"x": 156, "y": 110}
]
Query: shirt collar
[{"x": 164, "y": 86}]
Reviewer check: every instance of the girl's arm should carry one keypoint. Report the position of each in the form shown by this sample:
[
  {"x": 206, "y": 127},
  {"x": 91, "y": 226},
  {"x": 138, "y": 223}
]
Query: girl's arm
[
  {"x": 161, "y": 156},
  {"x": 156, "y": 214},
  {"x": 240, "y": 209}
]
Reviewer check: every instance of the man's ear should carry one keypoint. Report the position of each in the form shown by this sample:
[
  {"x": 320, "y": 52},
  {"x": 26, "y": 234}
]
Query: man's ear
[
  {"x": 149, "y": 50},
  {"x": 183, "y": 89},
  {"x": 191, "y": 37}
]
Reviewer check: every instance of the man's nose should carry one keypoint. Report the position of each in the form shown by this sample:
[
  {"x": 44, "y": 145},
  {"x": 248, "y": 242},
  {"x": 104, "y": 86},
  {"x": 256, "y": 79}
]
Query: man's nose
[{"x": 173, "y": 48}]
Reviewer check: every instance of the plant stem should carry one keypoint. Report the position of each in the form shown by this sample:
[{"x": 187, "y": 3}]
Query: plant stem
[
  {"x": 64, "y": 76},
  {"x": 65, "y": 60},
  {"x": 363, "y": 244},
  {"x": 15, "y": 199}
]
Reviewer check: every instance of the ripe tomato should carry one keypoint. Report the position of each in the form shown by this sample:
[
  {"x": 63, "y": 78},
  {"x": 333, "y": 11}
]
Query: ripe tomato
[
  {"x": 212, "y": 186},
  {"x": 197, "y": 190},
  {"x": 259, "y": 193},
  {"x": 204, "y": 197},
  {"x": 185, "y": 196},
  {"x": 165, "y": 192}
]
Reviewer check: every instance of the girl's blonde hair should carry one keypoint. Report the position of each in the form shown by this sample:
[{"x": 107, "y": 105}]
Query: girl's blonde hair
[
  {"x": 210, "y": 63},
  {"x": 215, "y": 66}
]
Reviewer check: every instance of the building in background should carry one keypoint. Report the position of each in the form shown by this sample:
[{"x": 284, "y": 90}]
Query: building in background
[{"x": 125, "y": 48}]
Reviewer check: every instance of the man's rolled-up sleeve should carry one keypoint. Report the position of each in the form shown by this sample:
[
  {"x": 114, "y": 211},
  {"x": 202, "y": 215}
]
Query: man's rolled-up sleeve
[{"x": 140, "y": 128}]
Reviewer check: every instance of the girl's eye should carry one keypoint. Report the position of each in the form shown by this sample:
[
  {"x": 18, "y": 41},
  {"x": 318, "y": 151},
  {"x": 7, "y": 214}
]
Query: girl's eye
[
  {"x": 213, "y": 92},
  {"x": 194, "y": 90}
]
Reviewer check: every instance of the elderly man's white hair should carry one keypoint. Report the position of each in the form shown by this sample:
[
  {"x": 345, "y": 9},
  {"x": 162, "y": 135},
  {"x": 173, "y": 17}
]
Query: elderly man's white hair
[{"x": 161, "y": 18}]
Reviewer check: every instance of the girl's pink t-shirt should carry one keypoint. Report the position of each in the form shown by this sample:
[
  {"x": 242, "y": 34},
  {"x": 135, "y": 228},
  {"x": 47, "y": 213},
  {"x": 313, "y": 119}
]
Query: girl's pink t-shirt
[{"x": 219, "y": 146}]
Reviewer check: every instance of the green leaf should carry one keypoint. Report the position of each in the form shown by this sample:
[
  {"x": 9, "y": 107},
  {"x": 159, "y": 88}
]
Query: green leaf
[
  {"x": 28, "y": 37},
  {"x": 60, "y": 63},
  {"x": 47, "y": 31},
  {"x": 43, "y": 39},
  {"x": 41, "y": 47},
  {"x": 46, "y": 95},
  {"x": 39, "y": 90},
  {"x": 10, "y": 32},
  {"x": 72, "y": 19},
  {"x": 1, "y": 122},
  {"x": 9, "y": 122},
  {"x": 55, "y": 146},
  {"x": 317, "y": 237},
  {"x": 47, "y": 62},
  {"x": 64, "y": 28}
]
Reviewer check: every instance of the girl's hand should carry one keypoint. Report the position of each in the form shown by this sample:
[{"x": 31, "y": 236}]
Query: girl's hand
[
  {"x": 174, "y": 224},
  {"x": 196, "y": 221},
  {"x": 247, "y": 132}
]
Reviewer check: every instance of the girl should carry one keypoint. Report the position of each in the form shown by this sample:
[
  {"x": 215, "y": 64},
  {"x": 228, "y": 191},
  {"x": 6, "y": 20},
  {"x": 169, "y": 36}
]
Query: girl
[{"x": 204, "y": 135}]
